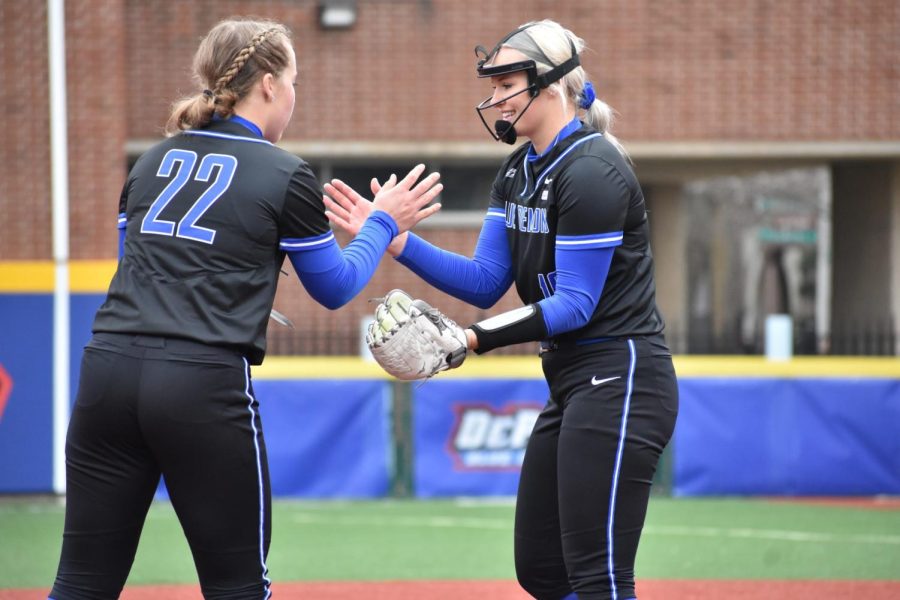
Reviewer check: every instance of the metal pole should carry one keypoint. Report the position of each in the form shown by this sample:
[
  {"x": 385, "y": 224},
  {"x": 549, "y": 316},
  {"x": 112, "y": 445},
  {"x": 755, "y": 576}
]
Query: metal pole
[
  {"x": 59, "y": 154},
  {"x": 402, "y": 481},
  {"x": 824, "y": 263}
]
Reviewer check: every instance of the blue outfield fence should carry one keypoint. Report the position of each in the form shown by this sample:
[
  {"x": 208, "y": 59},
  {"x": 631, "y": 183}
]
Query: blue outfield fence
[
  {"x": 327, "y": 438},
  {"x": 338, "y": 427},
  {"x": 831, "y": 437}
]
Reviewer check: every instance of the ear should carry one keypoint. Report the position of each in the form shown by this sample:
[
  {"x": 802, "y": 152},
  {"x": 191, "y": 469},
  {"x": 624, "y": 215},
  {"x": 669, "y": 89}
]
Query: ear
[{"x": 268, "y": 87}]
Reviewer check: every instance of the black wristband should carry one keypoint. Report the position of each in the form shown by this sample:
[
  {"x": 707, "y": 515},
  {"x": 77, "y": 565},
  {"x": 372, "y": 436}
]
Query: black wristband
[{"x": 524, "y": 324}]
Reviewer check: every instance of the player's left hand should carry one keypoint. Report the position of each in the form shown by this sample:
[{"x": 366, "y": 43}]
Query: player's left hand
[
  {"x": 346, "y": 207},
  {"x": 411, "y": 340}
]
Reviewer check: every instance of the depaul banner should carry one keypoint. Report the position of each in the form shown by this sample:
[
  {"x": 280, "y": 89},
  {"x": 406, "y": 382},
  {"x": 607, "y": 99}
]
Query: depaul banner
[
  {"x": 802, "y": 436},
  {"x": 470, "y": 435}
]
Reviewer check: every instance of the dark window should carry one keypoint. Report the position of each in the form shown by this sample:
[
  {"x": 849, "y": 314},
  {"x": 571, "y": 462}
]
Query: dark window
[
  {"x": 467, "y": 187},
  {"x": 359, "y": 176}
]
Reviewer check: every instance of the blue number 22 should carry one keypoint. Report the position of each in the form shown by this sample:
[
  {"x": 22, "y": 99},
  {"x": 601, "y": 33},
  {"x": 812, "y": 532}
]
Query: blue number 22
[{"x": 187, "y": 227}]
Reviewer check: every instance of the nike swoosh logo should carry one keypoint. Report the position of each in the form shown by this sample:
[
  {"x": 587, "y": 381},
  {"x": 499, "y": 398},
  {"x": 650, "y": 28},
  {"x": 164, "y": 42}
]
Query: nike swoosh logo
[{"x": 595, "y": 381}]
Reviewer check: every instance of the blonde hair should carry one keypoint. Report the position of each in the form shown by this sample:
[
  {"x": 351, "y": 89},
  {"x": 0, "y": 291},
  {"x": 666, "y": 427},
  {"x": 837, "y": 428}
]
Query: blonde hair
[
  {"x": 230, "y": 59},
  {"x": 548, "y": 43}
]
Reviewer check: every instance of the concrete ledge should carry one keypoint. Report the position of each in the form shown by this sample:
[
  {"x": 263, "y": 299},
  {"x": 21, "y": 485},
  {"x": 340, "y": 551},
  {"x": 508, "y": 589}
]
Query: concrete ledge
[{"x": 375, "y": 150}]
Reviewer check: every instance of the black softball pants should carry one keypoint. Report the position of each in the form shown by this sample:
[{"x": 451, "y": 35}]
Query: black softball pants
[
  {"x": 586, "y": 476},
  {"x": 148, "y": 406}
]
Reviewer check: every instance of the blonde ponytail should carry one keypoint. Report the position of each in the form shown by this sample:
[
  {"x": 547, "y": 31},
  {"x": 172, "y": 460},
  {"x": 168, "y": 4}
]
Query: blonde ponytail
[{"x": 600, "y": 116}]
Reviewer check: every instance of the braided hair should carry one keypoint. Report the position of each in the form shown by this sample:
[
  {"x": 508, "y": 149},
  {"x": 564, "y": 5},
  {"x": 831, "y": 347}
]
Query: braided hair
[{"x": 230, "y": 59}]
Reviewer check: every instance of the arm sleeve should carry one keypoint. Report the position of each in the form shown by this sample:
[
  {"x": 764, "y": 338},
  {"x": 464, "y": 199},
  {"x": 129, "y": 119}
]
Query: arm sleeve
[
  {"x": 481, "y": 280},
  {"x": 580, "y": 275},
  {"x": 333, "y": 276},
  {"x": 122, "y": 221},
  {"x": 524, "y": 324},
  {"x": 121, "y": 226}
]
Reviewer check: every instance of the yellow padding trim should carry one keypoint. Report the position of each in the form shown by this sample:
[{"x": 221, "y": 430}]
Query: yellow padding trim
[
  {"x": 529, "y": 367},
  {"x": 353, "y": 367},
  {"x": 800, "y": 366},
  {"x": 87, "y": 276},
  {"x": 37, "y": 277},
  {"x": 25, "y": 276}
]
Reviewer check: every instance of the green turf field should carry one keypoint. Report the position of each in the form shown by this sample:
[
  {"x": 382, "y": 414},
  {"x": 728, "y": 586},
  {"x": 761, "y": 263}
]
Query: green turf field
[{"x": 459, "y": 539}]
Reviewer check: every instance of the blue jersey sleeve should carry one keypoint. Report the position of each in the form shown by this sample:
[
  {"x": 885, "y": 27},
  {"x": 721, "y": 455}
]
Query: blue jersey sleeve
[
  {"x": 582, "y": 264},
  {"x": 123, "y": 217},
  {"x": 480, "y": 280},
  {"x": 121, "y": 226},
  {"x": 333, "y": 276}
]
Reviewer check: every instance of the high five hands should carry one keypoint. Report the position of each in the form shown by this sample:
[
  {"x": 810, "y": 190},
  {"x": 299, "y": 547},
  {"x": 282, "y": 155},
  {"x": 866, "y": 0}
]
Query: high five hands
[{"x": 406, "y": 202}]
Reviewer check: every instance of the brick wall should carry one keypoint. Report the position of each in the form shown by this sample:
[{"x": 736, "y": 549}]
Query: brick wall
[
  {"x": 686, "y": 70},
  {"x": 98, "y": 85},
  {"x": 675, "y": 71},
  {"x": 25, "y": 143},
  {"x": 97, "y": 108}
]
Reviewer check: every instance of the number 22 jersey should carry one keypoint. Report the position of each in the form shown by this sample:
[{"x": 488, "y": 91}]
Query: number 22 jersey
[{"x": 204, "y": 212}]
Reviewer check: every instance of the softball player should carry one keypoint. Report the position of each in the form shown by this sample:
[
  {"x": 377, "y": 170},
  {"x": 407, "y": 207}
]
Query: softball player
[
  {"x": 567, "y": 223},
  {"x": 206, "y": 219}
]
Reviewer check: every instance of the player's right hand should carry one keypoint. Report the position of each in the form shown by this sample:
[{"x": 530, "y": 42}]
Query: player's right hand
[{"x": 407, "y": 201}]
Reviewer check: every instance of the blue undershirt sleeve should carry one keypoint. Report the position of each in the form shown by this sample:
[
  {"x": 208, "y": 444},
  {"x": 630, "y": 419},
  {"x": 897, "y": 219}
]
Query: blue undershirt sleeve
[
  {"x": 333, "y": 276},
  {"x": 580, "y": 276},
  {"x": 121, "y": 226},
  {"x": 480, "y": 280}
]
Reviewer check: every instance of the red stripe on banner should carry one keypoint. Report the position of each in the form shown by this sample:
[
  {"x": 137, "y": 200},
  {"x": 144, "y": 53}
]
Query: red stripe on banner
[{"x": 5, "y": 389}]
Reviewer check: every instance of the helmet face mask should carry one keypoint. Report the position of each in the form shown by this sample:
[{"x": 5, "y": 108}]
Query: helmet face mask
[{"x": 505, "y": 131}]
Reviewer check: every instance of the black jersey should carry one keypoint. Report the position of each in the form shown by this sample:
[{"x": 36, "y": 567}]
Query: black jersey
[
  {"x": 580, "y": 188},
  {"x": 205, "y": 211}
]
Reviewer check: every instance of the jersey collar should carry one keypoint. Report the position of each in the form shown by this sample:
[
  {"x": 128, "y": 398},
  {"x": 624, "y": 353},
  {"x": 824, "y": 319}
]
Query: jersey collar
[
  {"x": 545, "y": 169},
  {"x": 246, "y": 123},
  {"x": 570, "y": 128}
]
